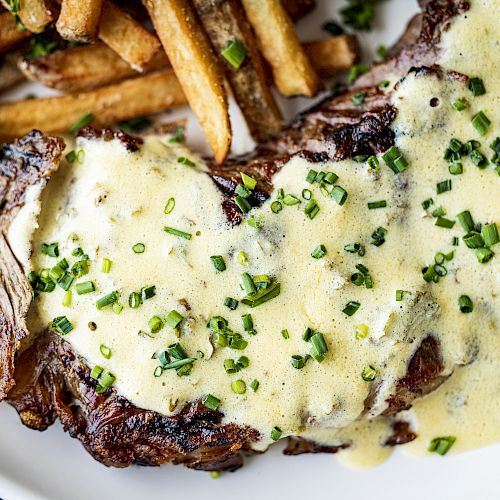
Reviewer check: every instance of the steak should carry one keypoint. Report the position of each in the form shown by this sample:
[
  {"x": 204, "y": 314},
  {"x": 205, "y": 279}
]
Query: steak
[{"x": 49, "y": 380}]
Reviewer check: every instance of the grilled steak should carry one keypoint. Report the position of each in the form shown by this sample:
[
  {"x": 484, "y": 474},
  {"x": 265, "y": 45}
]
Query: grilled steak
[{"x": 52, "y": 381}]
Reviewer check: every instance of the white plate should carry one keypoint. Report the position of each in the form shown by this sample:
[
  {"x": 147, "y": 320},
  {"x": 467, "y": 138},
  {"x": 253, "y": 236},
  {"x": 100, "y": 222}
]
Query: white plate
[{"x": 51, "y": 465}]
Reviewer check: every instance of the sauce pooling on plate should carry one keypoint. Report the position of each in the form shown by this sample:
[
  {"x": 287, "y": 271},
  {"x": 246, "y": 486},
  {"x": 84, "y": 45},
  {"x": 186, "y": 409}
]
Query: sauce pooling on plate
[{"x": 289, "y": 321}]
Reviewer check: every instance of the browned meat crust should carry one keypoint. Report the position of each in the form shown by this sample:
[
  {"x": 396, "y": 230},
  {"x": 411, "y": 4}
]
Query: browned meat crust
[
  {"x": 53, "y": 382},
  {"x": 24, "y": 163}
]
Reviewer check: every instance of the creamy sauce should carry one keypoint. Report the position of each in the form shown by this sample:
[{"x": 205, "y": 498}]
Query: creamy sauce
[{"x": 114, "y": 199}]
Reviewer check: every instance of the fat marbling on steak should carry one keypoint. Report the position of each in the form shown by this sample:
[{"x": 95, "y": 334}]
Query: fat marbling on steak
[{"x": 45, "y": 379}]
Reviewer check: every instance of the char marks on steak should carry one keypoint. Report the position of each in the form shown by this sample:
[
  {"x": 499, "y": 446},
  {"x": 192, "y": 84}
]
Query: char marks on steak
[
  {"x": 52, "y": 381},
  {"x": 26, "y": 162}
]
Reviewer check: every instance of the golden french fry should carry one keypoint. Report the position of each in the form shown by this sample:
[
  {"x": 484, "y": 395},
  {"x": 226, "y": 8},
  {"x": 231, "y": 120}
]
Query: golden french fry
[
  {"x": 292, "y": 72},
  {"x": 331, "y": 56},
  {"x": 132, "y": 98},
  {"x": 35, "y": 14},
  {"x": 79, "y": 19},
  {"x": 134, "y": 43},
  {"x": 10, "y": 34},
  {"x": 196, "y": 68},
  {"x": 225, "y": 22},
  {"x": 84, "y": 68}
]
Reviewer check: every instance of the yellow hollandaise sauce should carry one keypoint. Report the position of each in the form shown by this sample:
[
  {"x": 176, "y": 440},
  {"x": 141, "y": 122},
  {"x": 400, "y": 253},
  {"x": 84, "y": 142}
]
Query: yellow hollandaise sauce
[{"x": 290, "y": 320}]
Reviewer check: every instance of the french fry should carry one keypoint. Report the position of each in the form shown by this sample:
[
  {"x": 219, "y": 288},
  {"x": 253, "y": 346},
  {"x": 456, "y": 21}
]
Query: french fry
[
  {"x": 292, "y": 72},
  {"x": 132, "y": 98},
  {"x": 196, "y": 68},
  {"x": 84, "y": 68},
  {"x": 9, "y": 72},
  {"x": 79, "y": 19},
  {"x": 34, "y": 14},
  {"x": 134, "y": 43},
  {"x": 333, "y": 55},
  {"x": 10, "y": 34},
  {"x": 225, "y": 22}
]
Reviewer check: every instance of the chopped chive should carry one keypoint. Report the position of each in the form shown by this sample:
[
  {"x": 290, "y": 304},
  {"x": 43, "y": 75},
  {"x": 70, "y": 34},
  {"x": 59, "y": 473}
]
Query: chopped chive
[
  {"x": 263, "y": 295},
  {"x": 290, "y": 200},
  {"x": 234, "y": 53},
  {"x": 382, "y": 52},
  {"x": 177, "y": 232},
  {"x": 466, "y": 221},
  {"x": 298, "y": 361},
  {"x": 355, "y": 248},
  {"x": 148, "y": 292},
  {"x": 242, "y": 258},
  {"x": 105, "y": 351},
  {"x": 384, "y": 84},
  {"x": 173, "y": 318},
  {"x": 169, "y": 207},
  {"x": 92, "y": 326},
  {"x": 443, "y": 222},
  {"x": 378, "y": 236},
  {"x": 377, "y": 204},
  {"x": 306, "y": 194},
  {"x": 82, "y": 122},
  {"x": 459, "y": 104},
  {"x": 230, "y": 366},
  {"x": 465, "y": 304},
  {"x": 339, "y": 194},
  {"x": 238, "y": 386},
  {"x": 443, "y": 186},
  {"x": 106, "y": 265},
  {"x": 439, "y": 258},
  {"x": 155, "y": 324},
  {"x": 318, "y": 341},
  {"x": 218, "y": 262},
  {"x": 242, "y": 191},
  {"x": 134, "y": 300},
  {"x": 351, "y": 308},
  {"x": 427, "y": 203},
  {"x": 211, "y": 402},
  {"x": 455, "y": 241},
  {"x": 231, "y": 303},
  {"x": 107, "y": 300},
  {"x": 311, "y": 209},
  {"x": 399, "y": 295},
  {"x": 105, "y": 382},
  {"x": 254, "y": 385},
  {"x": 331, "y": 178},
  {"x": 71, "y": 156},
  {"x": 243, "y": 204},
  {"x": 248, "y": 284},
  {"x": 66, "y": 281},
  {"x": 308, "y": 333},
  {"x": 61, "y": 324},
  {"x": 117, "y": 307},
  {"x": 394, "y": 160},
  {"x": 185, "y": 161},
  {"x": 480, "y": 122},
  {"x": 311, "y": 176},
  {"x": 438, "y": 212},
  {"x": 179, "y": 363},
  {"x": 476, "y": 86},
  {"x": 158, "y": 371},
  {"x": 95, "y": 373},
  {"x": 248, "y": 323},
  {"x": 478, "y": 159},
  {"x": 484, "y": 255},
  {"x": 441, "y": 445},
  {"x": 318, "y": 252},
  {"x": 358, "y": 99},
  {"x": 285, "y": 334},
  {"x": 490, "y": 235},
  {"x": 473, "y": 240},
  {"x": 248, "y": 181},
  {"x": 85, "y": 287},
  {"x": 455, "y": 168},
  {"x": 68, "y": 295},
  {"x": 178, "y": 136},
  {"x": 369, "y": 373},
  {"x": 373, "y": 162},
  {"x": 356, "y": 71},
  {"x": 358, "y": 279},
  {"x": 333, "y": 28},
  {"x": 276, "y": 433},
  {"x": 276, "y": 207},
  {"x": 51, "y": 250},
  {"x": 139, "y": 248},
  {"x": 361, "y": 332}
]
